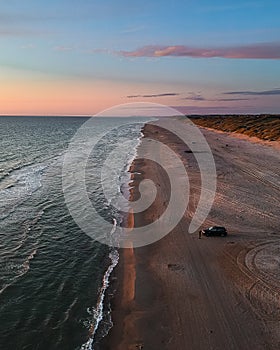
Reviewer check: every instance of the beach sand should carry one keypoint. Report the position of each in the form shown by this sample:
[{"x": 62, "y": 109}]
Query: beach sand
[{"x": 183, "y": 292}]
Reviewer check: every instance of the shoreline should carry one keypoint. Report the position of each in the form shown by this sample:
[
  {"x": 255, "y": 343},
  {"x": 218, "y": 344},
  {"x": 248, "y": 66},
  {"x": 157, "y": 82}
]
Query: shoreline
[
  {"x": 163, "y": 299},
  {"x": 126, "y": 256}
]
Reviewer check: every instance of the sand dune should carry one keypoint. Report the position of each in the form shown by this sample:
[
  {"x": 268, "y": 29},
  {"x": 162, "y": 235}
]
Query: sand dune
[{"x": 264, "y": 127}]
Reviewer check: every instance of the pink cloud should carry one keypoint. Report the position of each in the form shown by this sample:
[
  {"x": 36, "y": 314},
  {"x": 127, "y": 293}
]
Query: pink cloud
[{"x": 256, "y": 51}]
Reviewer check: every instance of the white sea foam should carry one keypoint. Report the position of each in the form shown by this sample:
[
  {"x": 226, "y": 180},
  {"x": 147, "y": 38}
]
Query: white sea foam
[
  {"x": 19, "y": 186},
  {"x": 21, "y": 183},
  {"x": 125, "y": 176},
  {"x": 98, "y": 311}
]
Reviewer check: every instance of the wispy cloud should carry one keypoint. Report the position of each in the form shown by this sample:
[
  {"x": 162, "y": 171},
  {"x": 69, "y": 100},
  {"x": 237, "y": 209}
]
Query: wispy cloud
[
  {"x": 17, "y": 33},
  {"x": 9, "y": 18},
  {"x": 256, "y": 51},
  {"x": 101, "y": 51},
  {"x": 231, "y": 99},
  {"x": 28, "y": 46},
  {"x": 63, "y": 48},
  {"x": 194, "y": 97},
  {"x": 201, "y": 110},
  {"x": 154, "y": 95},
  {"x": 216, "y": 109},
  {"x": 232, "y": 6},
  {"x": 198, "y": 97},
  {"x": 255, "y": 93},
  {"x": 135, "y": 29}
]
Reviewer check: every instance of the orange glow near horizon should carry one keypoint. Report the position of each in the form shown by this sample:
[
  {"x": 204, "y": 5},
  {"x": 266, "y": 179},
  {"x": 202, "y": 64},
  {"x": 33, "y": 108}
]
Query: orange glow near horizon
[
  {"x": 32, "y": 93},
  {"x": 41, "y": 96},
  {"x": 57, "y": 98},
  {"x": 38, "y": 94}
]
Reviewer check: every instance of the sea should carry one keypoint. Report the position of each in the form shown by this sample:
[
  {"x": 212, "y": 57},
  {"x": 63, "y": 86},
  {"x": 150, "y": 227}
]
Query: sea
[{"x": 54, "y": 278}]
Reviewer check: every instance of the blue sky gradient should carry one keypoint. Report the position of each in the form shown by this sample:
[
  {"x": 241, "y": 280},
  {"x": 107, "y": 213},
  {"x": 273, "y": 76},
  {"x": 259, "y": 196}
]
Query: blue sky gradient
[{"x": 48, "y": 45}]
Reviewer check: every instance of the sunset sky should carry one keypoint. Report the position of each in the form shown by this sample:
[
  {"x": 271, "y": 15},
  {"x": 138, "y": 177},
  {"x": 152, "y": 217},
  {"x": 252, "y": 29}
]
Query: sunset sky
[{"x": 80, "y": 57}]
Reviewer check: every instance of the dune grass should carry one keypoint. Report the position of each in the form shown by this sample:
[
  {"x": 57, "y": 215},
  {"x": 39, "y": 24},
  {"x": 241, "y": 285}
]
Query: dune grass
[{"x": 265, "y": 127}]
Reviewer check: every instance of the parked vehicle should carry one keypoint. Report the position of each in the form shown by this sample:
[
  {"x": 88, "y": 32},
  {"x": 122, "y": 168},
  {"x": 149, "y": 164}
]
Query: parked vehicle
[{"x": 215, "y": 231}]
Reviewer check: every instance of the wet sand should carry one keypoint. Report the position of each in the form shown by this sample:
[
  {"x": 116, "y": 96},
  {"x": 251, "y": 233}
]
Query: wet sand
[{"x": 183, "y": 292}]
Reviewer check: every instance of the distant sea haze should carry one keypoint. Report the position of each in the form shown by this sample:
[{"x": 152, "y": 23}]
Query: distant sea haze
[{"x": 52, "y": 274}]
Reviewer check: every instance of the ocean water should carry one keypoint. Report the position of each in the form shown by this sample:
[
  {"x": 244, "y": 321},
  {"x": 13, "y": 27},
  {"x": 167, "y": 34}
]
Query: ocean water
[{"x": 53, "y": 277}]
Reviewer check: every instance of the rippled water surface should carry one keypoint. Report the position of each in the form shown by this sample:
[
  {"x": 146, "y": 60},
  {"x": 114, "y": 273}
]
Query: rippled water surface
[{"x": 52, "y": 275}]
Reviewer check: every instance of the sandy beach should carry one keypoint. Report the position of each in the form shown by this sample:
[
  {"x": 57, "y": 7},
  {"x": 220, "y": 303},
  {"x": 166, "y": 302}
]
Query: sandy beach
[{"x": 183, "y": 292}]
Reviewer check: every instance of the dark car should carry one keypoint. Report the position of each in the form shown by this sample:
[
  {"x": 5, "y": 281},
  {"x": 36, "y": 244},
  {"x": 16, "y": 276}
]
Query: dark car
[{"x": 215, "y": 231}]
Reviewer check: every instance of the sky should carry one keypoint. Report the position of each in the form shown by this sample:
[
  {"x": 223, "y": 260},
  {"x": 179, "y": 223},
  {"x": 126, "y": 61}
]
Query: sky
[{"x": 65, "y": 57}]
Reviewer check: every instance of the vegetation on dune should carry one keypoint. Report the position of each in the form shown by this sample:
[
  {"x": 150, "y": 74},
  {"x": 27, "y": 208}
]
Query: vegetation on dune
[{"x": 265, "y": 127}]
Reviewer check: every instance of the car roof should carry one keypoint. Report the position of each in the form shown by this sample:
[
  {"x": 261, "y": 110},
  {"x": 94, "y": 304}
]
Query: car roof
[{"x": 217, "y": 228}]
